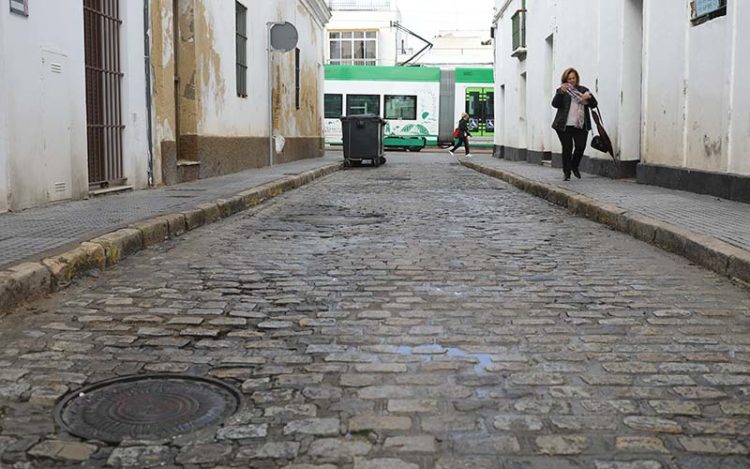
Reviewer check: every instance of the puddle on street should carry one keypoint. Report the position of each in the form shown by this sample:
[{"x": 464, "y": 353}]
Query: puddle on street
[{"x": 484, "y": 359}]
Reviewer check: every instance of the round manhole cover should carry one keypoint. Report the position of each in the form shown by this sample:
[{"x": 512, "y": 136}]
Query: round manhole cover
[{"x": 146, "y": 407}]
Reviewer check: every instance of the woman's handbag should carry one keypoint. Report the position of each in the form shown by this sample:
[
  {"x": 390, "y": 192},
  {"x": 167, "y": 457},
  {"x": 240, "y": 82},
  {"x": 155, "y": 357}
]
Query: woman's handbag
[
  {"x": 601, "y": 142},
  {"x": 456, "y": 133}
]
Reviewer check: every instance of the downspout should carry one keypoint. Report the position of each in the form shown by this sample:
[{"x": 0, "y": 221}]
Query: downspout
[{"x": 147, "y": 64}]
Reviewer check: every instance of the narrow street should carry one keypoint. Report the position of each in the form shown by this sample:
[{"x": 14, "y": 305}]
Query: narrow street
[{"x": 417, "y": 315}]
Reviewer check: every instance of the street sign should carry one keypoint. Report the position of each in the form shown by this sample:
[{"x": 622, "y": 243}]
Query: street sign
[{"x": 284, "y": 37}]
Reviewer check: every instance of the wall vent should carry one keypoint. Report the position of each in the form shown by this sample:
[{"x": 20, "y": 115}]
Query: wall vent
[
  {"x": 55, "y": 67},
  {"x": 60, "y": 186}
]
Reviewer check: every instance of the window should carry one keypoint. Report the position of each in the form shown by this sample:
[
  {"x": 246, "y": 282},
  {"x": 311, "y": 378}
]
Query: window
[
  {"x": 296, "y": 78},
  {"x": 363, "y": 104},
  {"x": 519, "y": 29},
  {"x": 353, "y": 47},
  {"x": 241, "y": 48},
  {"x": 401, "y": 107},
  {"x": 704, "y": 10},
  {"x": 333, "y": 106}
]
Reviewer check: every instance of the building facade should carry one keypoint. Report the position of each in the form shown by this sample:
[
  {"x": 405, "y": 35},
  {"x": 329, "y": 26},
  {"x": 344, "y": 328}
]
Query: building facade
[
  {"x": 115, "y": 94},
  {"x": 73, "y": 112},
  {"x": 675, "y": 108},
  {"x": 214, "y": 118},
  {"x": 361, "y": 32}
]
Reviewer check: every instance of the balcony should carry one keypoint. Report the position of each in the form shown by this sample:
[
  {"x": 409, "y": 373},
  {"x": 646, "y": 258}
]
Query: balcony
[{"x": 364, "y": 5}]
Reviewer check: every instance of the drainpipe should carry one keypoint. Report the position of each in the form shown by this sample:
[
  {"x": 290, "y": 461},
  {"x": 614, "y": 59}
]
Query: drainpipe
[{"x": 147, "y": 64}]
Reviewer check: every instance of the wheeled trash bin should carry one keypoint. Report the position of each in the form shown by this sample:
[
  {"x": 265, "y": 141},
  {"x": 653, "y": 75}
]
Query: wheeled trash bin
[{"x": 363, "y": 136}]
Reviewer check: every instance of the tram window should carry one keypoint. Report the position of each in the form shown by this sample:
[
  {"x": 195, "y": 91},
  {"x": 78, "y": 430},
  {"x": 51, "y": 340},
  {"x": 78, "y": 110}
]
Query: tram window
[
  {"x": 401, "y": 107},
  {"x": 333, "y": 106},
  {"x": 363, "y": 104}
]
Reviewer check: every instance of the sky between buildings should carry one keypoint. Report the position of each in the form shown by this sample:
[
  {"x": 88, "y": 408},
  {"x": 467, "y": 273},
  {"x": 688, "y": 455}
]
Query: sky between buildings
[{"x": 428, "y": 17}]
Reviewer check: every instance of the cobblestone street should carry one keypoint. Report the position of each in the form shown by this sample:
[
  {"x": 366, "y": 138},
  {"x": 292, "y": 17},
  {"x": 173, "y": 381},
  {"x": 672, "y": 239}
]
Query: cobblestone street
[{"x": 417, "y": 315}]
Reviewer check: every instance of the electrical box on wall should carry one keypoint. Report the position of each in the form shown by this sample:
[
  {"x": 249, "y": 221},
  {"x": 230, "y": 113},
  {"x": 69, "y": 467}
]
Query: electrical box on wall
[{"x": 19, "y": 7}]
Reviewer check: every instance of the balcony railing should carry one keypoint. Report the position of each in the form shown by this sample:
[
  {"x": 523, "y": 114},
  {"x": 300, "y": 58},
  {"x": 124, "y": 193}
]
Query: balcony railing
[{"x": 359, "y": 4}]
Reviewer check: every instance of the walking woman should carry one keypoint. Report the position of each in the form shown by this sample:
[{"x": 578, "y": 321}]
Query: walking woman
[
  {"x": 573, "y": 119},
  {"x": 463, "y": 134}
]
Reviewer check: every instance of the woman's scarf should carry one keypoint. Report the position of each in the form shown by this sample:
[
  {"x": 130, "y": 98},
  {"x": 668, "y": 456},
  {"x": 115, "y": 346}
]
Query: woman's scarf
[{"x": 578, "y": 97}]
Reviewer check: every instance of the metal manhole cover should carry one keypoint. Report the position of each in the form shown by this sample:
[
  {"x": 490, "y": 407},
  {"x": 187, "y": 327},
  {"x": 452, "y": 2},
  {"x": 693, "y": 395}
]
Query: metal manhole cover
[{"x": 146, "y": 407}]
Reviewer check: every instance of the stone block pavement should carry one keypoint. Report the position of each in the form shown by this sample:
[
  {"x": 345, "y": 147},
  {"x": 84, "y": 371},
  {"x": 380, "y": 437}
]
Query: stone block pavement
[
  {"x": 415, "y": 316},
  {"x": 65, "y": 241},
  {"x": 710, "y": 231},
  {"x": 33, "y": 233}
]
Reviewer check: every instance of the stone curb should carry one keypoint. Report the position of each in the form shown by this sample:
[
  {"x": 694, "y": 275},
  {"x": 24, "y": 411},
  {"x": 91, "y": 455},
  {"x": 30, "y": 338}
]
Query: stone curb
[
  {"x": 26, "y": 281},
  {"x": 707, "y": 251}
]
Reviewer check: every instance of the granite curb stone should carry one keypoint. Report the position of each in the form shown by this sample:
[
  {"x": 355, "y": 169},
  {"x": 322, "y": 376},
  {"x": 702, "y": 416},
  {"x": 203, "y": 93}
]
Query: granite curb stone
[
  {"x": 29, "y": 280},
  {"x": 704, "y": 250}
]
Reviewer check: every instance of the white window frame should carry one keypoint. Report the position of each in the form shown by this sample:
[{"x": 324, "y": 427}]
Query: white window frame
[{"x": 352, "y": 61}]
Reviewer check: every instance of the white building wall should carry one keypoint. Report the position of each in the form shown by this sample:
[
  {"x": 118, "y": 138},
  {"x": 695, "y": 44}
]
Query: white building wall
[
  {"x": 45, "y": 114},
  {"x": 696, "y": 105},
  {"x": 671, "y": 93},
  {"x": 43, "y": 147},
  {"x": 3, "y": 123},
  {"x": 739, "y": 111},
  {"x": 607, "y": 58},
  {"x": 227, "y": 115},
  {"x": 134, "y": 114},
  {"x": 380, "y": 21}
]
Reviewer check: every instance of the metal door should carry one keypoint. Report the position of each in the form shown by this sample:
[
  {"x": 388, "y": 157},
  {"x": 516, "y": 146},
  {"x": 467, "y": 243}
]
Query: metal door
[
  {"x": 103, "y": 91},
  {"x": 480, "y": 106}
]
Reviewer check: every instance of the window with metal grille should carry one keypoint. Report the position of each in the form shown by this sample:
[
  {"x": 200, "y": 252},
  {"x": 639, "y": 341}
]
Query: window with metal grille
[
  {"x": 333, "y": 106},
  {"x": 241, "y": 46},
  {"x": 519, "y": 29},
  {"x": 296, "y": 78},
  {"x": 401, "y": 107},
  {"x": 101, "y": 27},
  {"x": 704, "y": 10},
  {"x": 353, "y": 47}
]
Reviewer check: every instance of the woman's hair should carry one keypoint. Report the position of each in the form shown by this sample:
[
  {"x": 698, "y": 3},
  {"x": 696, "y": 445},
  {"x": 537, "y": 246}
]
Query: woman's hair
[
  {"x": 567, "y": 72},
  {"x": 463, "y": 114}
]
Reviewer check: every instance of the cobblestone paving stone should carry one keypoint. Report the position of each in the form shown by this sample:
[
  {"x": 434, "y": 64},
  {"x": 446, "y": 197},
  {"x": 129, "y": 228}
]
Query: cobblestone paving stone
[
  {"x": 724, "y": 219},
  {"x": 419, "y": 315},
  {"x": 28, "y": 234}
]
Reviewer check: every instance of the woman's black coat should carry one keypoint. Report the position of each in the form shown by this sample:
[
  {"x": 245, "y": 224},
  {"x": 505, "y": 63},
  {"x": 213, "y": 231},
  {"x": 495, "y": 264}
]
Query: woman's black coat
[
  {"x": 463, "y": 128},
  {"x": 561, "y": 102}
]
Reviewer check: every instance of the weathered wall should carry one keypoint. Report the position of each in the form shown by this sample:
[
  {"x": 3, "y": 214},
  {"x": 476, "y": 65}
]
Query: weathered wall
[
  {"x": 219, "y": 130},
  {"x": 696, "y": 113},
  {"x": 3, "y": 124},
  {"x": 134, "y": 113},
  {"x": 163, "y": 87},
  {"x": 558, "y": 37},
  {"x": 45, "y": 127}
]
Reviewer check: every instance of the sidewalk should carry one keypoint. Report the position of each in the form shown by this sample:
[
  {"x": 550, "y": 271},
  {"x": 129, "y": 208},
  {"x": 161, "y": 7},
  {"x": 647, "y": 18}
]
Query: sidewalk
[
  {"x": 153, "y": 215},
  {"x": 710, "y": 231}
]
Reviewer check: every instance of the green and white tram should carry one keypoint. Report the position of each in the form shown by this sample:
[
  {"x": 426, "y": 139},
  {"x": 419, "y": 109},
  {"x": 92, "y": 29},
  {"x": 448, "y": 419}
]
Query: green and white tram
[{"x": 421, "y": 105}]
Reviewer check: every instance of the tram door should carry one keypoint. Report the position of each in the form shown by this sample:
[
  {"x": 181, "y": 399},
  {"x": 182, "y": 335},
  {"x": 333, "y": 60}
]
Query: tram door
[{"x": 480, "y": 106}]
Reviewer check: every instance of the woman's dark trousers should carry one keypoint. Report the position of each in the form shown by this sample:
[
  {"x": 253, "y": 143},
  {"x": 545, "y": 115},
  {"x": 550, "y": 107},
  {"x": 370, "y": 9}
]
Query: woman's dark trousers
[
  {"x": 464, "y": 141},
  {"x": 571, "y": 137}
]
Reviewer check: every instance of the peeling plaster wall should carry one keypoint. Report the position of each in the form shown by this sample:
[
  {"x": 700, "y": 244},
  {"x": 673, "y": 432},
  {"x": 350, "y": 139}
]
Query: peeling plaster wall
[
  {"x": 222, "y": 112},
  {"x": 162, "y": 85},
  {"x": 218, "y": 130}
]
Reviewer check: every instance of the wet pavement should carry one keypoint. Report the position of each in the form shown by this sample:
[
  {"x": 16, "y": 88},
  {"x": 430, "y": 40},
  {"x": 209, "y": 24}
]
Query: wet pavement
[{"x": 417, "y": 315}]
